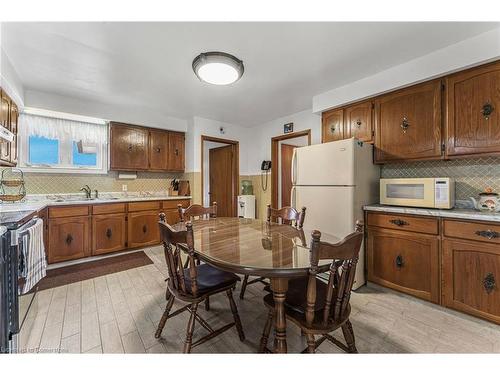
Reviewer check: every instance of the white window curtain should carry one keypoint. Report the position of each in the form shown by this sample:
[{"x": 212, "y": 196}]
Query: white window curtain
[{"x": 62, "y": 129}]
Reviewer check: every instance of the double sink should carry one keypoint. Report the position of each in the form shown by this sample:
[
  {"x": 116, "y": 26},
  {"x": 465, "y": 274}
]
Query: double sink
[{"x": 79, "y": 199}]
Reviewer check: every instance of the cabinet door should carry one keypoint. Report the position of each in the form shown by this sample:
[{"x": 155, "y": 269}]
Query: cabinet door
[
  {"x": 404, "y": 261},
  {"x": 358, "y": 121},
  {"x": 473, "y": 111},
  {"x": 143, "y": 228},
  {"x": 158, "y": 150},
  {"x": 5, "y": 146},
  {"x": 14, "y": 117},
  {"x": 68, "y": 238},
  {"x": 471, "y": 276},
  {"x": 408, "y": 124},
  {"x": 332, "y": 125},
  {"x": 108, "y": 233},
  {"x": 129, "y": 147},
  {"x": 176, "y": 152}
]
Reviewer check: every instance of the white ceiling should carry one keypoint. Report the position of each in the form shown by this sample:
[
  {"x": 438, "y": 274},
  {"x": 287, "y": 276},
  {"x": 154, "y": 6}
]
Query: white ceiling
[{"x": 149, "y": 64}]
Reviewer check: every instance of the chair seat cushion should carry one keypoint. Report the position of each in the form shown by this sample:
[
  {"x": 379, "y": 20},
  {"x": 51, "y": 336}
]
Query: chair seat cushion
[
  {"x": 209, "y": 279},
  {"x": 296, "y": 295}
]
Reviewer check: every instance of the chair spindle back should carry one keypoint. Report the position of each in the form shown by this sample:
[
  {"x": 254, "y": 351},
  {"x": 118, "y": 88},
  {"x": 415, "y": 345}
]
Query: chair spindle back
[
  {"x": 287, "y": 213},
  {"x": 197, "y": 210}
]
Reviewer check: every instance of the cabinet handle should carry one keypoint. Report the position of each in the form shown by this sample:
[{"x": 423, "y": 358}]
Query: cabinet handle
[
  {"x": 358, "y": 124},
  {"x": 487, "y": 110},
  {"x": 399, "y": 261},
  {"x": 69, "y": 239},
  {"x": 489, "y": 283},
  {"x": 405, "y": 125},
  {"x": 109, "y": 233},
  {"x": 489, "y": 234},
  {"x": 399, "y": 222},
  {"x": 176, "y": 152},
  {"x": 144, "y": 228},
  {"x": 158, "y": 149},
  {"x": 332, "y": 129},
  {"x": 129, "y": 148}
]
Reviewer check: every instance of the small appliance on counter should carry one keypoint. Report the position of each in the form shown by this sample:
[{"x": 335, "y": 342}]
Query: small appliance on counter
[
  {"x": 246, "y": 206},
  {"x": 487, "y": 201},
  {"x": 436, "y": 192}
]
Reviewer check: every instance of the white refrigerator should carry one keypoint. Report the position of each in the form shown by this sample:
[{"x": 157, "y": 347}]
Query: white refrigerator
[{"x": 334, "y": 181}]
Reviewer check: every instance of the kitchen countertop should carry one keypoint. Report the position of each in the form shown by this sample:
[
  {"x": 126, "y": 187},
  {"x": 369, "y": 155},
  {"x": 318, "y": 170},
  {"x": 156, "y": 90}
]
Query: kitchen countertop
[
  {"x": 455, "y": 213},
  {"x": 39, "y": 204}
]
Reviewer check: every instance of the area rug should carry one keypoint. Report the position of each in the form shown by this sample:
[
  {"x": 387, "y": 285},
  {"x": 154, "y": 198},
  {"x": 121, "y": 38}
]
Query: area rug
[{"x": 84, "y": 271}]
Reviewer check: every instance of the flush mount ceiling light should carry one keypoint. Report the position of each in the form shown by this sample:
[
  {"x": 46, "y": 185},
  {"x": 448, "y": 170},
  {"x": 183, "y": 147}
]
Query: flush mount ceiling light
[{"x": 218, "y": 68}]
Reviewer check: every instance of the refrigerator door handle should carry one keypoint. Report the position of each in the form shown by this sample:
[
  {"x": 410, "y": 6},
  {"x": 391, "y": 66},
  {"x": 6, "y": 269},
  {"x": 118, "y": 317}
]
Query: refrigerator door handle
[
  {"x": 292, "y": 196},
  {"x": 294, "y": 167}
]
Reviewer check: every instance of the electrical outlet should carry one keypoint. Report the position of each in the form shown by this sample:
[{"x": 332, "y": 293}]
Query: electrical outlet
[{"x": 124, "y": 187}]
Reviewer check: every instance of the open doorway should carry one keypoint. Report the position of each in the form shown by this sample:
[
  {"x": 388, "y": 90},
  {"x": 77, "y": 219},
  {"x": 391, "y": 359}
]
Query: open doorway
[
  {"x": 220, "y": 172},
  {"x": 282, "y": 148}
]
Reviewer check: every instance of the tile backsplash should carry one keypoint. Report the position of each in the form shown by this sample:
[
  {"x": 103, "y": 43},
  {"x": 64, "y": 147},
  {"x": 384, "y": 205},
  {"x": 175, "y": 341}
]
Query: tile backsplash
[
  {"x": 43, "y": 183},
  {"x": 471, "y": 176}
]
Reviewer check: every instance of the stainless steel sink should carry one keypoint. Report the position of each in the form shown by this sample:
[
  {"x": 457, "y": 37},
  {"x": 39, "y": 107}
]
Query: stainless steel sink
[{"x": 74, "y": 199}]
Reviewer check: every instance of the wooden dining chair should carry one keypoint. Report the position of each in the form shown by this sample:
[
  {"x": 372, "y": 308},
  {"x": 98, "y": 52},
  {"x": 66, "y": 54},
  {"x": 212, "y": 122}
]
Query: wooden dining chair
[
  {"x": 319, "y": 308},
  {"x": 193, "y": 285},
  {"x": 286, "y": 215},
  {"x": 197, "y": 211}
]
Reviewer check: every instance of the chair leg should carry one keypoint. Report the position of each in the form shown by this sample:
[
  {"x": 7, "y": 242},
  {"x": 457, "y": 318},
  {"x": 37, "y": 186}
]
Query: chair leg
[
  {"x": 236, "y": 316},
  {"x": 311, "y": 343},
  {"x": 164, "y": 317},
  {"x": 243, "y": 287},
  {"x": 267, "y": 330},
  {"x": 207, "y": 304},
  {"x": 349, "y": 336},
  {"x": 190, "y": 329}
]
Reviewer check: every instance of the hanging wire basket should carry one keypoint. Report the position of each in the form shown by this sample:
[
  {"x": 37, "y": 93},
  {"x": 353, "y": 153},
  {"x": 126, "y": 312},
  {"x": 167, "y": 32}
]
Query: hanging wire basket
[{"x": 12, "y": 187}]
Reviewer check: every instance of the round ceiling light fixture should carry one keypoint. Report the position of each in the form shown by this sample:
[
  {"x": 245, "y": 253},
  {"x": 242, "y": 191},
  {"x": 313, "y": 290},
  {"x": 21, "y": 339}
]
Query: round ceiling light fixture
[{"x": 218, "y": 68}]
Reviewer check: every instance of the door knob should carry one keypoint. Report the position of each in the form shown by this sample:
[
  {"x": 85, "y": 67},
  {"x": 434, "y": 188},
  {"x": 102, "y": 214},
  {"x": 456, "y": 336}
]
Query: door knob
[
  {"x": 405, "y": 124},
  {"x": 399, "y": 261},
  {"x": 487, "y": 110},
  {"x": 489, "y": 283}
]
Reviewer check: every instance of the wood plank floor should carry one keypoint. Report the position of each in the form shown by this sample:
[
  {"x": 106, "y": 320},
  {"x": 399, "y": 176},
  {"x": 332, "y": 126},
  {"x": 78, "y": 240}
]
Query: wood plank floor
[{"x": 118, "y": 313}]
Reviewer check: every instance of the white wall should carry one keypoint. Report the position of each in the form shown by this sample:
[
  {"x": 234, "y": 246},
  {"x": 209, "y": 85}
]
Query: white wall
[
  {"x": 133, "y": 115},
  {"x": 201, "y": 126},
  {"x": 10, "y": 81},
  {"x": 260, "y": 136},
  {"x": 473, "y": 51}
]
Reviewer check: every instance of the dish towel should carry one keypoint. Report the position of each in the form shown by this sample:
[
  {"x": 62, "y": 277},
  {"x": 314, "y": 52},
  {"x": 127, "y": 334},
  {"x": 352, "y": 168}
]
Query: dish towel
[{"x": 33, "y": 253}]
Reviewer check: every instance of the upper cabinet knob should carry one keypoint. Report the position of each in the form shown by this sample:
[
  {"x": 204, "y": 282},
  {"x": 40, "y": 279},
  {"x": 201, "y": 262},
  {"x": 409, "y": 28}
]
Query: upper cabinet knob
[
  {"x": 358, "y": 123},
  {"x": 405, "y": 124},
  {"x": 487, "y": 110}
]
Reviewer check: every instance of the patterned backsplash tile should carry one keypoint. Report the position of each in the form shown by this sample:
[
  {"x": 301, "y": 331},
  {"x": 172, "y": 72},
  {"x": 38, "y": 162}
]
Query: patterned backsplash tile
[
  {"x": 471, "y": 176},
  {"x": 42, "y": 183}
]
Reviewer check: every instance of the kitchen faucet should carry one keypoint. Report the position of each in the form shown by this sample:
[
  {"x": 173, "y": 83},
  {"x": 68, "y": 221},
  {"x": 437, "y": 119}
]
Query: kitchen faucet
[{"x": 88, "y": 192}]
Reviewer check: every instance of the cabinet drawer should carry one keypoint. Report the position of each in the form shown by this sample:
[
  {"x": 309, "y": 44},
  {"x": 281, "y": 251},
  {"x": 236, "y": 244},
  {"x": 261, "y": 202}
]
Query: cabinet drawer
[
  {"x": 471, "y": 276},
  {"x": 68, "y": 238},
  {"x": 408, "y": 262},
  {"x": 109, "y": 233},
  {"x": 55, "y": 212},
  {"x": 143, "y": 206},
  {"x": 114, "y": 208},
  {"x": 172, "y": 204},
  {"x": 406, "y": 223},
  {"x": 485, "y": 232}
]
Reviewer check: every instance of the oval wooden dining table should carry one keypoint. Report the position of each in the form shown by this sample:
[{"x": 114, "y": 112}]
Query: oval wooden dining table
[{"x": 258, "y": 248}]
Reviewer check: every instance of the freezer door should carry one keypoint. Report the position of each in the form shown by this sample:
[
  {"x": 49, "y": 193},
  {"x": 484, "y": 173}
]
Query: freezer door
[
  {"x": 324, "y": 164},
  {"x": 332, "y": 210}
]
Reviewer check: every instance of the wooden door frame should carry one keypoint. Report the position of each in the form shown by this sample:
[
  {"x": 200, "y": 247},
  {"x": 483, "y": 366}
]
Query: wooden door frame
[
  {"x": 275, "y": 141},
  {"x": 235, "y": 167}
]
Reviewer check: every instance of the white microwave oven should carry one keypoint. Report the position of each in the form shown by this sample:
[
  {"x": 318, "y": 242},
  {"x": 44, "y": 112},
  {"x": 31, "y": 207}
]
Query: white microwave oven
[{"x": 418, "y": 192}]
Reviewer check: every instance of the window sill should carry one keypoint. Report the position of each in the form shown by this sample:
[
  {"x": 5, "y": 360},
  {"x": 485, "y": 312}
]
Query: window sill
[{"x": 46, "y": 170}]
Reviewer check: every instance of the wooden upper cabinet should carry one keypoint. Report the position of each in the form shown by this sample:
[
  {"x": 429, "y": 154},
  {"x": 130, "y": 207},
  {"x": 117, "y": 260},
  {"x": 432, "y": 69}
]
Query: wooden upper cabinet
[
  {"x": 332, "y": 125},
  {"x": 358, "y": 121},
  {"x": 129, "y": 147},
  {"x": 408, "y": 123},
  {"x": 473, "y": 111},
  {"x": 5, "y": 147},
  {"x": 176, "y": 151},
  {"x": 158, "y": 150}
]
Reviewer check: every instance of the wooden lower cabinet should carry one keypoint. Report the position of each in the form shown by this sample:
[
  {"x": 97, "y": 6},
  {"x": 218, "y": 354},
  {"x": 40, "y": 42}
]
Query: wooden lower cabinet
[
  {"x": 143, "y": 228},
  {"x": 471, "y": 278},
  {"x": 109, "y": 233},
  {"x": 172, "y": 216},
  {"x": 408, "y": 262},
  {"x": 69, "y": 238}
]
